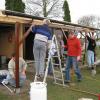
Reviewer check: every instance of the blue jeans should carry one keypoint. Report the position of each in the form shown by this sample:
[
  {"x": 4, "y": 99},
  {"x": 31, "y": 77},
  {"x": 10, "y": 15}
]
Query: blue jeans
[
  {"x": 90, "y": 58},
  {"x": 12, "y": 81},
  {"x": 72, "y": 62},
  {"x": 39, "y": 50}
]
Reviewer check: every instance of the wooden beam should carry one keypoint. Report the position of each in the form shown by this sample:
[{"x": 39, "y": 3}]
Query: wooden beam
[
  {"x": 53, "y": 24},
  {"x": 56, "y": 25},
  {"x": 13, "y": 19},
  {"x": 14, "y": 13}
]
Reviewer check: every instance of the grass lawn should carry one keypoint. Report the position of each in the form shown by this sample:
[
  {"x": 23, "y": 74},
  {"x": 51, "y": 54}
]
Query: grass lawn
[
  {"x": 55, "y": 92},
  {"x": 88, "y": 84}
]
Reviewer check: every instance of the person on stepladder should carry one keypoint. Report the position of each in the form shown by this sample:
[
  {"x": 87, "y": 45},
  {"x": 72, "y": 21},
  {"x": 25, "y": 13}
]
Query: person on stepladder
[
  {"x": 73, "y": 56},
  {"x": 41, "y": 41}
]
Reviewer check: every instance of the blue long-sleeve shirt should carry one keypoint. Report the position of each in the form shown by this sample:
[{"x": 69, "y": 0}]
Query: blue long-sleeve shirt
[{"x": 42, "y": 32}]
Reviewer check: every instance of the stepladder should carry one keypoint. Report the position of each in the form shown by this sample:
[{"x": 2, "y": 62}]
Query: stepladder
[{"x": 54, "y": 58}]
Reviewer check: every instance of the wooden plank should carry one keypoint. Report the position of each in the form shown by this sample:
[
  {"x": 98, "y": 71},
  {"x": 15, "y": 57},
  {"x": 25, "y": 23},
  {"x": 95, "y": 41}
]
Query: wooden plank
[{"x": 13, "y": 19}]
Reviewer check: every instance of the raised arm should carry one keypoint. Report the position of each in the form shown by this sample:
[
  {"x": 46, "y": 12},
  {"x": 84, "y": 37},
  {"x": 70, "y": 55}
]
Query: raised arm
[{"x": 26, "y": 34}]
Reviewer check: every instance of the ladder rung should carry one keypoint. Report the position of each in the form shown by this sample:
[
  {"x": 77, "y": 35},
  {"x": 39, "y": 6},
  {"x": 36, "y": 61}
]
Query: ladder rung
[
  {"x": 61, "y": 84},
  {"x": 58, "y": 83},
  {"x": 59, "y": 79},
  {"x": 55, "y": 56},
  {"x": 58, "y": 72},
  {"x": 55, "y": 64}
]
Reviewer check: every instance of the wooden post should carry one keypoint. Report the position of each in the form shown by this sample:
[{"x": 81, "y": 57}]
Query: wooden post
[
  {"x": 17, "y": 28},
  {"x": 20, "y": 37},
  {"x": 84, "y": 57}
]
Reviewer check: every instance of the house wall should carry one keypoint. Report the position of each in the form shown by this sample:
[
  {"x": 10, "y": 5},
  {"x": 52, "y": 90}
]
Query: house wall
[{"x": 6, "y": 42}]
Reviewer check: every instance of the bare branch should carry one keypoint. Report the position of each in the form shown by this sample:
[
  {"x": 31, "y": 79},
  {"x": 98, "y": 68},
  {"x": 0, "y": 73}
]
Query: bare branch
[
  {"x": 53, "y": 5},
  {"x": 92, "y": 21},
  {"x": 45, "y": 7},
  {"x": 36, "y": 3}
]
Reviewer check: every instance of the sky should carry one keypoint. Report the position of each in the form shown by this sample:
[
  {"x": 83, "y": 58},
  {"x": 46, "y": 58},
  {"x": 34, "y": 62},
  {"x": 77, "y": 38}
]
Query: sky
[
  {"x": 78, "y": 8},
  {"x": 2, "y": 4}
]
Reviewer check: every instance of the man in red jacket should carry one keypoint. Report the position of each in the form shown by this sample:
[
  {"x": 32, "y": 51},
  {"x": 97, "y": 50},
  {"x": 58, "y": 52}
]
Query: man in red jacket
[{"x": 73, "y": 56}]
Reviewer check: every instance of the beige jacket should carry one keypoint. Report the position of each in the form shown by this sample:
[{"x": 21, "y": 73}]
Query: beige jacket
[{"x": 11, "y": 66}]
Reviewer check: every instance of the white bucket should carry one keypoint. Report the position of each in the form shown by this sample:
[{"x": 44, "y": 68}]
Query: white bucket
[
  {"x": 38, "y": 91},
  {"x": 85, "y": 99}
]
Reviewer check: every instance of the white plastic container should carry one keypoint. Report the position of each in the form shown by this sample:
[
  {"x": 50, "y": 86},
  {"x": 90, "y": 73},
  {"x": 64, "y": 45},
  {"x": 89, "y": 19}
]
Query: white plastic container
[
  {"x": 85, "y": 99},
  {"x": 38, "y": 91}
]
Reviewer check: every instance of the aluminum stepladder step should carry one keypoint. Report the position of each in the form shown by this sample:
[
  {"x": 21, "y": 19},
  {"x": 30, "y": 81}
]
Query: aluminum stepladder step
[{"x": 56, "y": 64}]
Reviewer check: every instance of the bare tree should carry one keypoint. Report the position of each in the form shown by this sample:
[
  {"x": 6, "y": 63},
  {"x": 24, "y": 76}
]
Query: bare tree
[
  {"x": 92, "y": 21},
  {"x": 44, "y": 8},
  {"x": 87, "y": 20}
]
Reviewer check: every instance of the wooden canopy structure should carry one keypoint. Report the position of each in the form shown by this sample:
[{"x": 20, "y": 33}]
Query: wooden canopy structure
[
  {"x": 13, "y": 17},
  {"x": 20, "y": 19}
]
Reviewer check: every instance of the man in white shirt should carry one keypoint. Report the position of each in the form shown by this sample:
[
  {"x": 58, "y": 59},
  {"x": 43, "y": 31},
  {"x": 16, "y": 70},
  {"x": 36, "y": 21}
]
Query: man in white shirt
[{"x": 11, "y": 68}]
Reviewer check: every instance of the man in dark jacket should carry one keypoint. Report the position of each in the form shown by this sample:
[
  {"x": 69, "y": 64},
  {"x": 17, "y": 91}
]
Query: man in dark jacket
[{"x": 91, "y": 49}]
